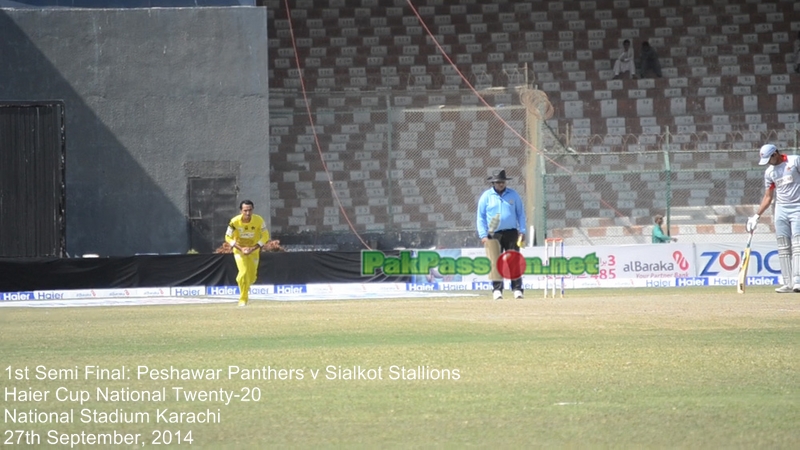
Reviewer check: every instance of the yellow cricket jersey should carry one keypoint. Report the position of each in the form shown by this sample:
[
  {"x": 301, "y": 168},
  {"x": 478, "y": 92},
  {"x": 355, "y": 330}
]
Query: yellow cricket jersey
[{"x": 247, "y": 234}]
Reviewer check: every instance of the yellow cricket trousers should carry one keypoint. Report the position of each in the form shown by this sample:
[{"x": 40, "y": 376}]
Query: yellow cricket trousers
[{"x": 248, "y": 271}]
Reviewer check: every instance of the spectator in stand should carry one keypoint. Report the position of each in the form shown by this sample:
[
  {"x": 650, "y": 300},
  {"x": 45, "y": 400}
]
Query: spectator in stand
[
  {"x": 658, "y": 234},
  {"x": 650, "y": 61},
  {"x": 625, "y": 61},
  {"x": 797, "y": 53}
]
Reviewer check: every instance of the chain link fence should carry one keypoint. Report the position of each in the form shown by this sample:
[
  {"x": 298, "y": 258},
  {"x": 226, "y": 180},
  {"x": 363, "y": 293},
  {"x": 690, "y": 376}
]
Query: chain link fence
[
  {"x": 613, "y": 198},
  {"x": 375, "y": 163},
  {"x": 408, "y": 168}
]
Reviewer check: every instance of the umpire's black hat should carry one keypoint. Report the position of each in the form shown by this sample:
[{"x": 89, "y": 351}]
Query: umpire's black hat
[{"x": 498, "y": 176}]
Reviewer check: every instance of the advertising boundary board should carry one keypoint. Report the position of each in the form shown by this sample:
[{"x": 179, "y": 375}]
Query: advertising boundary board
[
  {"x": 639, "y": 265},
  {"x": 366, "y": 290}
]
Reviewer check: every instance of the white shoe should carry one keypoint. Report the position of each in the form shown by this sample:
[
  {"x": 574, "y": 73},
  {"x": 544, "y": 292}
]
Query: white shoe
[
  {"x": 518, "y": 295},
  {"x": 784, "y": 289},
  {"x": 796, "y": 287},
  {"x": 497, "y": 295}
]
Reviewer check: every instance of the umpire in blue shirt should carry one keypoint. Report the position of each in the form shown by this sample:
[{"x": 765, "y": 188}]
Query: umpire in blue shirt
[{"x": 506, "y": 202}]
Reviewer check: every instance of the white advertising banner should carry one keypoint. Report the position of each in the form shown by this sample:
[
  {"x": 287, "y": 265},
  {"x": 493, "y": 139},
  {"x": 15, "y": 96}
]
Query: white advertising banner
[
  {"x": 720, "y": 260},
  {"x": 635, "y": 265},
  {"x": 647, "y": 265},
  {"x": 636, "y": 261}
]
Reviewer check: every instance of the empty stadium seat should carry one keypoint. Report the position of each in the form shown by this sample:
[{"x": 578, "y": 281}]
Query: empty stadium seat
[{"x": 724, "y": 65}]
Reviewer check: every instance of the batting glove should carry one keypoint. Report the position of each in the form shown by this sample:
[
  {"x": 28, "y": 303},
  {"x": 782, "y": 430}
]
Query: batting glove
[{"x": 752, "y": 223}]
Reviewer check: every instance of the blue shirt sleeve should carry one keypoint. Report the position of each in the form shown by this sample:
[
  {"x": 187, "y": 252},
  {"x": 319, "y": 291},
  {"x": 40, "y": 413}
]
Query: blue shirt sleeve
[{"x": 521, "y": 219}]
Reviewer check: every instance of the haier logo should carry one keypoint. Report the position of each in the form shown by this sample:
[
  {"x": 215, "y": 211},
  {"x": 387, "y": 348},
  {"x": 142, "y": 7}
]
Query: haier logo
[
  {"x": 691, "y": 282},
  {"x": 7, "y": 296},
  {"x": 453, "y": 287},
  {"x": 482, "y": 286},
  {"x": 49, "y": 295},
  {"x": 260, "y": 290},
  {"x": 222, "y": 290},
  {"x": 658, "y": 283},
  {"x": 188, "y": 292},
  {"x": 723, "y": 281},
  {"x": 762, "y": 281},
  {"x": 730, "y": 261},
  {"x": 290, "y": 289},
  {"x": 419, "y": 287}
]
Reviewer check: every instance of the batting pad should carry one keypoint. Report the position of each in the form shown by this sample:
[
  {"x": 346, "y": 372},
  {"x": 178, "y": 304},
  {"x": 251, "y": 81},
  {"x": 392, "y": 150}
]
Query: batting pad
[{"x": 785, "y": 257}]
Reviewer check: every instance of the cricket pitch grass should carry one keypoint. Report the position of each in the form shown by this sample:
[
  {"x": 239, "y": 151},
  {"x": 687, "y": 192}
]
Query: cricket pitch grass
[{"x": 634, "y": 368}]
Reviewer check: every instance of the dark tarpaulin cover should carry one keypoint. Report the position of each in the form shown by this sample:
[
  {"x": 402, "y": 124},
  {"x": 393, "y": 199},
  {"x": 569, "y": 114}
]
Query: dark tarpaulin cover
[{"x": 28, "y": 274}]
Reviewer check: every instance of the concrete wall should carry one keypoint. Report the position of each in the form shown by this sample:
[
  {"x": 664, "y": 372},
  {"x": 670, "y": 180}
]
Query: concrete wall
[{"x": 149, "y": 93}]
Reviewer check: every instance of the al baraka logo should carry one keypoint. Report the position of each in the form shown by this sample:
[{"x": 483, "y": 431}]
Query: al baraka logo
[
  {"x": 682, "y": 262},
  {"x": 658, "y": 266}
]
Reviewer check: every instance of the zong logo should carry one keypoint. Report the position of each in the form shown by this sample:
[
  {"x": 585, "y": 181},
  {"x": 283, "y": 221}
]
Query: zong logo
[
  {"x": 729, "y": 261},
  {"x": 680, "y": 260}
]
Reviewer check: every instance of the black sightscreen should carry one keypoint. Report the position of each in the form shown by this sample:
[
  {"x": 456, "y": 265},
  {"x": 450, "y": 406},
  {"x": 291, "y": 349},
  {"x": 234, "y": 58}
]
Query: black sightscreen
[{"x": 32, "y": 191}]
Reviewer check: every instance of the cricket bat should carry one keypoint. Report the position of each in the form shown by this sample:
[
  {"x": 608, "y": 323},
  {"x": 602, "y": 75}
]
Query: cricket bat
[
  {"x": 492, "y": 247},
  {"x": 745, "y": 264}
]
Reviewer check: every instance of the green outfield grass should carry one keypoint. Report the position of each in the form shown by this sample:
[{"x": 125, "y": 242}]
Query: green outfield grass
[{"x": 690, "y": 367}]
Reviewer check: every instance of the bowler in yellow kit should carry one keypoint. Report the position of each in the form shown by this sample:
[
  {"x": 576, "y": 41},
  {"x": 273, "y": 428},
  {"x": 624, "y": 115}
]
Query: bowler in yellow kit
[{"x": 247, "y": 233}]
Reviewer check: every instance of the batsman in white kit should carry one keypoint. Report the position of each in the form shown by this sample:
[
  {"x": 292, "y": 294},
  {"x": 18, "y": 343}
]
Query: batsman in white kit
[{"x": 782, "y": 184}]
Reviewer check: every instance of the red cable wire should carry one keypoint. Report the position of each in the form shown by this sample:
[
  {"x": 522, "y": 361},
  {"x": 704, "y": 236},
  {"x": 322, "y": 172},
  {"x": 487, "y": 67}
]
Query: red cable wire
[
  {"x": 491, "y": 108},
  {"x": 314, "y": 129},
  {"x": 460, "y": 74}
]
